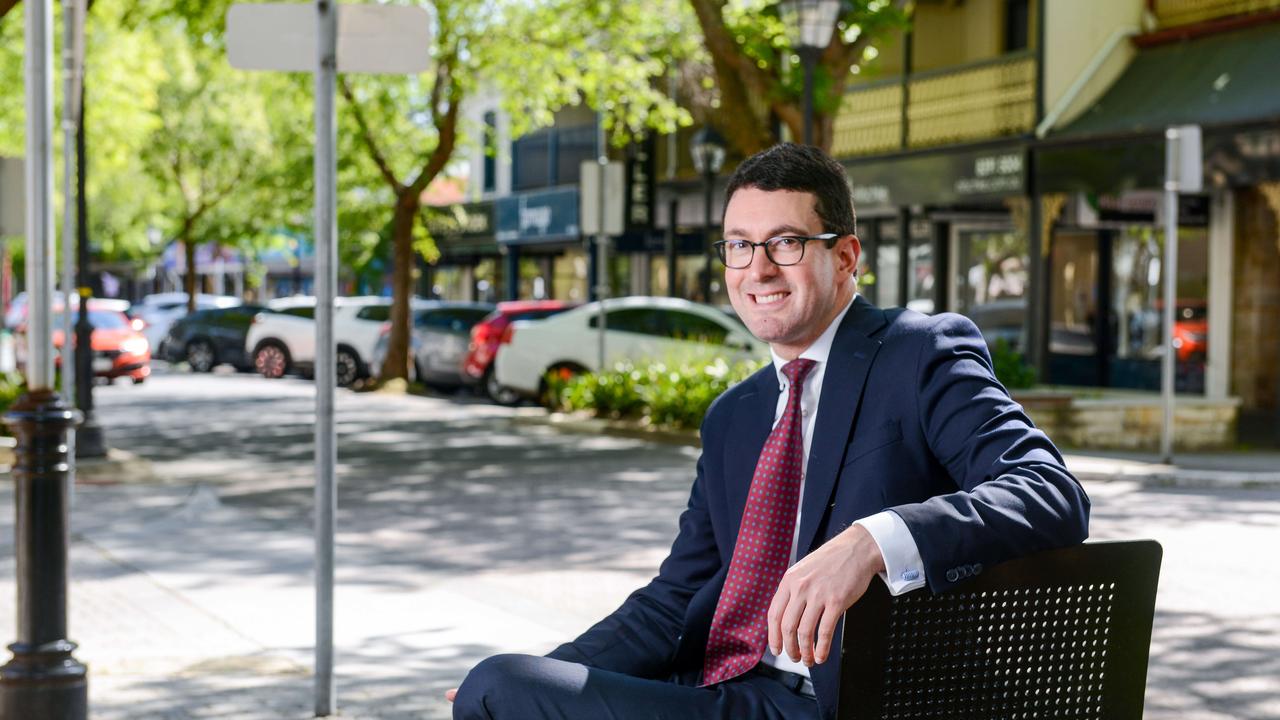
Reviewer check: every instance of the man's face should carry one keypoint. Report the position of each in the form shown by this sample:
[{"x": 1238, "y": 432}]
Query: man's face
[{"x": 787, "y": 307}]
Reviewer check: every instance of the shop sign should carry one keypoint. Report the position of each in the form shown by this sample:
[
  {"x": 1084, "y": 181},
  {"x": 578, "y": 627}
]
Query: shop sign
[
  {"x": 1245, "y": 158},
  {"x": 938, "y": 178},
  {"x": 462, "y": 220},
  {"x": 538, "y": 217},
  {"x": 640, "y": 186}
]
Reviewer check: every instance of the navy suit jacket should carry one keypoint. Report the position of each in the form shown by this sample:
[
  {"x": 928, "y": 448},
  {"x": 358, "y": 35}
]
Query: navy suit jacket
[{"x": 911, "y": 419}]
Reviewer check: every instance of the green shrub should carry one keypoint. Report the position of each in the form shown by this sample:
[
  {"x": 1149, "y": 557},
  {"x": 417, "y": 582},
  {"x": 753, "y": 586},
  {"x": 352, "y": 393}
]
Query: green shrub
[
  {"x": 674, "y": 393},
  {"x": 12, "y": 385},
  {"x": 1011, "y": 367}
]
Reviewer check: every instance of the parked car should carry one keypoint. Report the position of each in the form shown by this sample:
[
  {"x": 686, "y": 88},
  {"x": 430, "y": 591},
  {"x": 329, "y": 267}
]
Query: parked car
[
  {"x": 490, "y": 333},
  {"x": 160, "y": 310},
  {"x": 439, "y": 341},
  {"x": 208, "y": 338},
  {"x": 637, "y": 329},
  {"x": 119, "y": 349},
  {"x": 282, "y": 339}
]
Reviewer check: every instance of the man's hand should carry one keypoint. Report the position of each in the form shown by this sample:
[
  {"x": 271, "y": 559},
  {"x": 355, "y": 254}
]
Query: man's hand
[
  {"x": 815, "y": 592},
  {"x": 451, "y": 694}
]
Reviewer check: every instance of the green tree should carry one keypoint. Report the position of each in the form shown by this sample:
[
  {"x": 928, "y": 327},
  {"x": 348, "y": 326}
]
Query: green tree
[
  {"x": 219, "y": 161},
  {"x": 538, "y": 57},
  {"x": 758, "y": 75}
]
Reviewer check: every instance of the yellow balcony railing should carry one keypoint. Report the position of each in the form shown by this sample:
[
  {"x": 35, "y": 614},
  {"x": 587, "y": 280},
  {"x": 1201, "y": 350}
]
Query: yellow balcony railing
[
  {"x": 1173, "y": 13},
  {"x": 988, "y": 100},
  {"x": 983, "y": 100},
  {"x": 870, "y": 121}
]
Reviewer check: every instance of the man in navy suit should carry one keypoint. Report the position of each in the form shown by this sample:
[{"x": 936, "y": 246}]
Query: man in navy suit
[{"x": 877, "y": 443}]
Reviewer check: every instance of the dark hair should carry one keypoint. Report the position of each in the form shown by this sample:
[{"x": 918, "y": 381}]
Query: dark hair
[{"x": 800, "y": 168}]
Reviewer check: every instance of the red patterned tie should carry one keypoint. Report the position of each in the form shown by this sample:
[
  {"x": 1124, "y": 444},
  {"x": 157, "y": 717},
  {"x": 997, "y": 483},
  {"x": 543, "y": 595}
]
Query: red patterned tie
[{"x": 739, "y": 630}]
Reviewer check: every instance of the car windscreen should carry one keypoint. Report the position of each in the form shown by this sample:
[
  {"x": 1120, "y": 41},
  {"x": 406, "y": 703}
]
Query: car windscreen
[
  {"x": 455, "y": 319},
  {"x": 537, "y": 314},
  {"x": 98, "y": 319}
]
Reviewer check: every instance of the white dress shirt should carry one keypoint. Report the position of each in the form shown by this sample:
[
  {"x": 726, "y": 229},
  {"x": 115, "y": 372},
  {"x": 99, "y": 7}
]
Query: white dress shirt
[{"x": 904, "y": 570}]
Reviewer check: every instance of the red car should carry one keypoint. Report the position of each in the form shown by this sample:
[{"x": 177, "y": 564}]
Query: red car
[
  {"x": 491, "y": 333},
  {"x": 119, "y": 349}
]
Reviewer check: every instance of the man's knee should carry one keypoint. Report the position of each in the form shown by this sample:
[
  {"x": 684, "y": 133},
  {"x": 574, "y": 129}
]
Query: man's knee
[{"x": 510, "y": 686}]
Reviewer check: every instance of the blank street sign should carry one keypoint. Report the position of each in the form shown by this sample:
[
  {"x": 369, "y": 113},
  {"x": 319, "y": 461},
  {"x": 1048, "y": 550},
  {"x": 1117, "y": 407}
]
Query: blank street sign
[
  {"x": 13, "y": 213},
  {"x": 371, "y": 38}
]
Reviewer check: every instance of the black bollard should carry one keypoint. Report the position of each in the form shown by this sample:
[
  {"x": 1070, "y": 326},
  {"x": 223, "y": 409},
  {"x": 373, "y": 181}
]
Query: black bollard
[{"x": 42, "y": 680}]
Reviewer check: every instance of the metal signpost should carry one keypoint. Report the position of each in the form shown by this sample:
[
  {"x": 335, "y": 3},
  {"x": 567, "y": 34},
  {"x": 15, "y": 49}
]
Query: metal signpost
[
  {"x": 1183, "y": 173},
  {"x": 603, "y": 193},
  {"x": 347, "y": 38},
  {"x": 72, "y": 65}
]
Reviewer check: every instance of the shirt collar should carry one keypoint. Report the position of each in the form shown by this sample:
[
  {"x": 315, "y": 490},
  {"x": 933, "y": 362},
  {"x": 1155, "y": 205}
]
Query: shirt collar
[{"x": 820, "y": 350}]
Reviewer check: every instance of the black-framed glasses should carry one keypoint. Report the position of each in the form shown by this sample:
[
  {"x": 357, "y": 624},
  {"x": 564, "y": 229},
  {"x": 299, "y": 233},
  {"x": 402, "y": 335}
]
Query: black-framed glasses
[{"x": 782, "y": 250}]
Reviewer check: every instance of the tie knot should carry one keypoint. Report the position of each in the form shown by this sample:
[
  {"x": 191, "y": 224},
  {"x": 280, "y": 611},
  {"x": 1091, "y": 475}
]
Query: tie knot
[{"x": 797, "y": 370}]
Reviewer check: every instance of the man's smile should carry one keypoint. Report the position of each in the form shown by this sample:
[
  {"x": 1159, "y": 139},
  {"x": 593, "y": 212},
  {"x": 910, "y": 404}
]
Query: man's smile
[{"x": 769, "y": 299}]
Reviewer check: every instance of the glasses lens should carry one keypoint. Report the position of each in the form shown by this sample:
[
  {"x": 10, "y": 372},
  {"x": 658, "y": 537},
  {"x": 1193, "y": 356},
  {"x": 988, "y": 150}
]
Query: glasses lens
[
  {"x": 786, "y": 250},
  {"x": 735, "y": 253}
]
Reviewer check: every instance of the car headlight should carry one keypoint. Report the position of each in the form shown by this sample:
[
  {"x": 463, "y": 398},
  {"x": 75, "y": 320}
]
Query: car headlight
[{"x": 134, "y": 346}]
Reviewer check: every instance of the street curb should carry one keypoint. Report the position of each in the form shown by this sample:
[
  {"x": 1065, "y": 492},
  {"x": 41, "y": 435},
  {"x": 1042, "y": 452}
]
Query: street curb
[
  {"x": 1152, "y": 475},
  {"x": 586, "y": 424}
]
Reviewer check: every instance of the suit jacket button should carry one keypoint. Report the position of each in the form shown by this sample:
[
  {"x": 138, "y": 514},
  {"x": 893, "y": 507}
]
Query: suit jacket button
[{"x": 952, "y": 575}]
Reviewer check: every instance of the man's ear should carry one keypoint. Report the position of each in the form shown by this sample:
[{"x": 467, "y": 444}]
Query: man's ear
[{"x": 848, "y": 253}]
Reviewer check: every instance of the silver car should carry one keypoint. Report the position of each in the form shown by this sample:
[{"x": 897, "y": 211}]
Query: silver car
[{"x": 439, "y": 342}]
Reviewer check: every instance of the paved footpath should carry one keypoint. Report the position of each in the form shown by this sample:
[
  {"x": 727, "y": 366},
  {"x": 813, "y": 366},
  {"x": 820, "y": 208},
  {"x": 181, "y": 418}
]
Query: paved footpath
[{"x": 463, "y": 532}]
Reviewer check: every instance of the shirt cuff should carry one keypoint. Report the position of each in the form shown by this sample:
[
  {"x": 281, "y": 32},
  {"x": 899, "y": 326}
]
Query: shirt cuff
[{"x": 904, "y": 570}]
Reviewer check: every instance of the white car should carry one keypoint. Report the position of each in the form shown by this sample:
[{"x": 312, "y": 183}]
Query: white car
[
  {"x": 159, "y": 311},
  {"x": 283, "y": 340},
  {"x": 636, "y": 329}
]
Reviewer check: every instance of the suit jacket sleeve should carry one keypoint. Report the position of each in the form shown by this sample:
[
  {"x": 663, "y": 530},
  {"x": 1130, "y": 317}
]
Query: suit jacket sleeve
[
  {"x": 641, "y": 637},
  {"x": 1014, "y": 494}
]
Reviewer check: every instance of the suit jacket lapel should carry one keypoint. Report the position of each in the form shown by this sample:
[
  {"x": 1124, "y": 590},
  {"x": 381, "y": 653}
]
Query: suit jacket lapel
[
  {"x": 752, "y": 423},
  {"x": 842, "y": 385}
]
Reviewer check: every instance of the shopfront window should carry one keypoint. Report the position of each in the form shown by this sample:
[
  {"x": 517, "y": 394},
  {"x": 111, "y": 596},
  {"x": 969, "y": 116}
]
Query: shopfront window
[
  {"x": 920, "y": 268},
  {"x": 991, "y": 283},
  {"x": 1138, "y": 308},
  {"x": 886, "y": 291},
  {"x": 570, "y": 276}
]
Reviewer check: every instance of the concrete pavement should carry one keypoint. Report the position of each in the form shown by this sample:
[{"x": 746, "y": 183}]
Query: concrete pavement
[{"x": 462, "y": 533}]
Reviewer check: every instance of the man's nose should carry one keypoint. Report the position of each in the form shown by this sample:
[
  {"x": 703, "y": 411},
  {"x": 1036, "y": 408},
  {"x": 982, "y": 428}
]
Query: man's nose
[{"x": 762, "y": 266}]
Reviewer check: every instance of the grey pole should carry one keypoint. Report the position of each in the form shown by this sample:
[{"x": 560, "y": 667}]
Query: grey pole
[
  {"x": 326, "y": 279},
  {"x": 72, "y": 60},
  {"x": 1170, "y": 273},
  {"x": 39, "y": 178},
  {"x": 43, "y": 679},
  {"x": 602, "y": 241},
  {"x": 70, "y": 114}
]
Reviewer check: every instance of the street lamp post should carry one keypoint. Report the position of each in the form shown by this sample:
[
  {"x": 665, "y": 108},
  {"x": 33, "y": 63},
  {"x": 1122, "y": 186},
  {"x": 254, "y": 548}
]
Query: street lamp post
[
  {"x": 43, "y": 679},
  {"x": 708, "y": 150},
  {"x": 810, "y": 24}
]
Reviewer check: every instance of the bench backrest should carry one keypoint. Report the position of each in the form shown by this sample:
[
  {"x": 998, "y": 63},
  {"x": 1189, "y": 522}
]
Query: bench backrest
[{"x": 1059, "y": 634}]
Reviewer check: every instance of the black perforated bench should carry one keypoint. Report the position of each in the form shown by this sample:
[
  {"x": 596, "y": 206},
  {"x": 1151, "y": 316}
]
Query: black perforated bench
[{"x": 1059, "y": 634}]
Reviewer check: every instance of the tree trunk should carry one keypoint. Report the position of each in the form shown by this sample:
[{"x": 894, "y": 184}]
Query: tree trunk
[
  {"x": 188, "y": 246},
  {"x": 396, "y": 364}
]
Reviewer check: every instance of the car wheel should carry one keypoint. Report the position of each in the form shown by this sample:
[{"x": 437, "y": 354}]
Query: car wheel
[
  {"x": 139, "y": 380},
  {"x": 565, "y": 371},
  {"x": 498, "y": 393},
  {"x": 200, "y": 356},
  {"x": 271, "y": 360},
  {"x": 348, "y": 367}
]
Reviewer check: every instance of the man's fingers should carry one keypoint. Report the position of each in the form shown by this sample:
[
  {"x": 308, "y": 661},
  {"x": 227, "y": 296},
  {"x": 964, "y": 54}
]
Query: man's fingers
[
  {"x": 776, "y": 608},
  {"x": 451, "y": 694},
  {"x": 826, "y": 633},
  {"x": 806, "y": 631},
  {"x": 790, "y": 623}
]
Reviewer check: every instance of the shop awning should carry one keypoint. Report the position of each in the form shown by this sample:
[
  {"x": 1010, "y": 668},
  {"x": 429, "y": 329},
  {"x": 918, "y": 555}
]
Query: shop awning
[{"x": 1224, "y": 79}]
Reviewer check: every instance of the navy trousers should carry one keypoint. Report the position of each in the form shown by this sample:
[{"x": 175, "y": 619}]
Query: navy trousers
[{"x": 526, "y": 687}]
